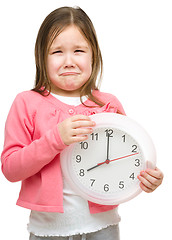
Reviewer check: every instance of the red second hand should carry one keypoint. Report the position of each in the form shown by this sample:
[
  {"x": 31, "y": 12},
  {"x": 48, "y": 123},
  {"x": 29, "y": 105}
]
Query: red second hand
[{"x": 108, "y": 161}]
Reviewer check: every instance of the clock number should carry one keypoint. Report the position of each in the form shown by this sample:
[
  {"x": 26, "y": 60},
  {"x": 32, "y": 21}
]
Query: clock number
[
  {"x": 132, "y": 176},
  {"x": 137, "y": 164},
  {"x": 109, "y": 132},
  {"x": 121, "y": 184},
  {"x": 124, "y": 138},
  {"x": 78, "y": 158},
  {"x": 134, "y": 148},
  {"x": 106, "y": 187},
  {"x": 95, "y": 136},
  {"x": 84, "y": 145},
  {"x": 82, "y": 173},
  {"x": 92, "y": 181}
]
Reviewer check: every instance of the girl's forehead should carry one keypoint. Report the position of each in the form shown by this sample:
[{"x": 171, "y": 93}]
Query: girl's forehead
[{"x": 71, "y": 35}]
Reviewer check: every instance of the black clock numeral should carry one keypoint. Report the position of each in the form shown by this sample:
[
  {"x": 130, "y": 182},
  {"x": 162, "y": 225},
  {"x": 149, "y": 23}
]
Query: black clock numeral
[
  {"x": 132, "y": 176},
  {"x": 106, "y": 187},
  {"x": 82, "y": 173},
  {"x": 95, "y": 136},
  {"x": 121, "y": 184},
  {"x": 109, "y": 132},
  {"x": 84, "y": 145},
  {"x": 137, "y": 164},
  {"x": 92, "y": 181},
  {"x": 78, "y": 158},
  {"x": 124, "y": 138},
  {"x": 134, "y": 148}
]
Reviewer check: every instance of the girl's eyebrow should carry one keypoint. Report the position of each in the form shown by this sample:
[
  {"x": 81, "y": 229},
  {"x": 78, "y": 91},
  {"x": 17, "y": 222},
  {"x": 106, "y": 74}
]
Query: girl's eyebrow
[
  {"x": 55, "y": 47},
  {"x": 76, "y": 46},
  {"x": 81, "y": 46}
]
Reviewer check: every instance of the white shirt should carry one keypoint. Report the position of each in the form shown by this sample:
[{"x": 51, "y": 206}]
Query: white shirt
[{"x": 76, "y": 218}]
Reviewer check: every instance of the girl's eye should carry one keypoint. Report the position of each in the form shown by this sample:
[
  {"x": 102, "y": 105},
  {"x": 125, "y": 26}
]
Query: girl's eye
[
  {"x": 79, "y": 50},
  {"x": 57, "y": 52}
]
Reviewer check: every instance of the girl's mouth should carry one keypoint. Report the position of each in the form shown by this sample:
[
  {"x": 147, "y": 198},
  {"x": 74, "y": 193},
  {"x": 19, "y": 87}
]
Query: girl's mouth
[{"x": 68, "y": 73}]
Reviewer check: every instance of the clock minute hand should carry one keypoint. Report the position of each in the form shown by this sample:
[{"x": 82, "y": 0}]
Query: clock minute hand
[{"x": 108, "y": 136}]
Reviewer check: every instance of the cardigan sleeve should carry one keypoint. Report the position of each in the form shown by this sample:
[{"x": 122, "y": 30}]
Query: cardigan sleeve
[
  {"x": 117, "y": 103},
  {"x": 114, "y": 105},
  {"x": 22, "y": 157}
]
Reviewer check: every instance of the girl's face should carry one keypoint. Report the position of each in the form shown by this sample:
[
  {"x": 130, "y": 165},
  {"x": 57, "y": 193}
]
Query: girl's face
[{"x": 69, "y": 63}]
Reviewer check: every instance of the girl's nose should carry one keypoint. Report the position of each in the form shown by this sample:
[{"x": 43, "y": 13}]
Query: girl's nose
[{"x": 69, "y": 61}]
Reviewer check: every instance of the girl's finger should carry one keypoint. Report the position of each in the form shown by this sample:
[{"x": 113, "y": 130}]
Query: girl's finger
[
  {"x": 81, "y": 131},
  {"x": 156, "y": 173},
  {"x": 145, "y": 189},
  {"x": 146, "y": 183},
  {"x": 80, "y": 117},
  {"x": 80, "y": 124},
  {"x": 79, "y": 138},
  {"x": 152, "y": 180}
]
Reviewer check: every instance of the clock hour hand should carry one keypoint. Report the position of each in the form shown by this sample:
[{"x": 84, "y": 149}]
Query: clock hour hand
[
  {"x": 99, "y": 164},
  {"x": 92, "y": 167},
  {"x": 108, "y": 161}
]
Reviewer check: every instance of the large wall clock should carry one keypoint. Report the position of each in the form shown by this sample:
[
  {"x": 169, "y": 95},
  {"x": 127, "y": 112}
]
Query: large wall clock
[{"x": 104, "y": 168}]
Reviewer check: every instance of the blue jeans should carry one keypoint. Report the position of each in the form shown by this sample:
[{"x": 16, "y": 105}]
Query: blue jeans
[{"x": 109, "y": 233}]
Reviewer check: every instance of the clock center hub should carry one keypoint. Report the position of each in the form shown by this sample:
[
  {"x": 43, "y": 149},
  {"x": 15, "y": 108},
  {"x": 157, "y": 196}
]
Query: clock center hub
[{"x": 107, "y": 161}]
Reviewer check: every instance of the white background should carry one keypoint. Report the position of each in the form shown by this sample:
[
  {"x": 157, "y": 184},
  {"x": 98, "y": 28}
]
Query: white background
[{"x": 136, "y": 41}]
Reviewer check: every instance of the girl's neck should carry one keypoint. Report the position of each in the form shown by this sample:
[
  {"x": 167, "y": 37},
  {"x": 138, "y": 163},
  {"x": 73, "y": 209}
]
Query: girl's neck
[{"x": 75, "y": 101}]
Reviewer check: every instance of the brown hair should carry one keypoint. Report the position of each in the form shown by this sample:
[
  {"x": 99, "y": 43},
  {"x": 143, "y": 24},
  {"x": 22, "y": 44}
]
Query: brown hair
[{"x": 51, "y": 27}]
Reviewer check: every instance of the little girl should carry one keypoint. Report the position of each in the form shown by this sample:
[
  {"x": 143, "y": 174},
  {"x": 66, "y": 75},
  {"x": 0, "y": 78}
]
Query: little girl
[{"x": 45, "y": 120}]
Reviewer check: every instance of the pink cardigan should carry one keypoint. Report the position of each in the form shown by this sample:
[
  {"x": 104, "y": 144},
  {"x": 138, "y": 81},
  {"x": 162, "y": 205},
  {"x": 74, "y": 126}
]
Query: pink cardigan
[{"x": 33, "y": 144}]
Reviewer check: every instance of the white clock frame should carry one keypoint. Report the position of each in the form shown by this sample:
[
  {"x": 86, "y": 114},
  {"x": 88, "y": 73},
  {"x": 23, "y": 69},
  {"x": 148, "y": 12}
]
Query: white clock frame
[{"x": 130, "y": 127}]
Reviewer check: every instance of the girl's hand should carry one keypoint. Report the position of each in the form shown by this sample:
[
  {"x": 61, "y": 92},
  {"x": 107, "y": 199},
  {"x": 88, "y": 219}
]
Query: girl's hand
[
  {"x": 75, "y": 129},
  {"x": 150, "y": 179}
]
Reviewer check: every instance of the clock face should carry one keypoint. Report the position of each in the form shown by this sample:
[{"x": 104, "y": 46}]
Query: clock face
[
  {"x": 113, "y": 169},
  {"x": 104, "y": 168}
]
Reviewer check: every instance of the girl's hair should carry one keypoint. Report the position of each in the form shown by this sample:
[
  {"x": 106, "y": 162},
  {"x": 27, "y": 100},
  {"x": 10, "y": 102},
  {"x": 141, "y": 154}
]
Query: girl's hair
[{"x": 51, "y": 27}]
